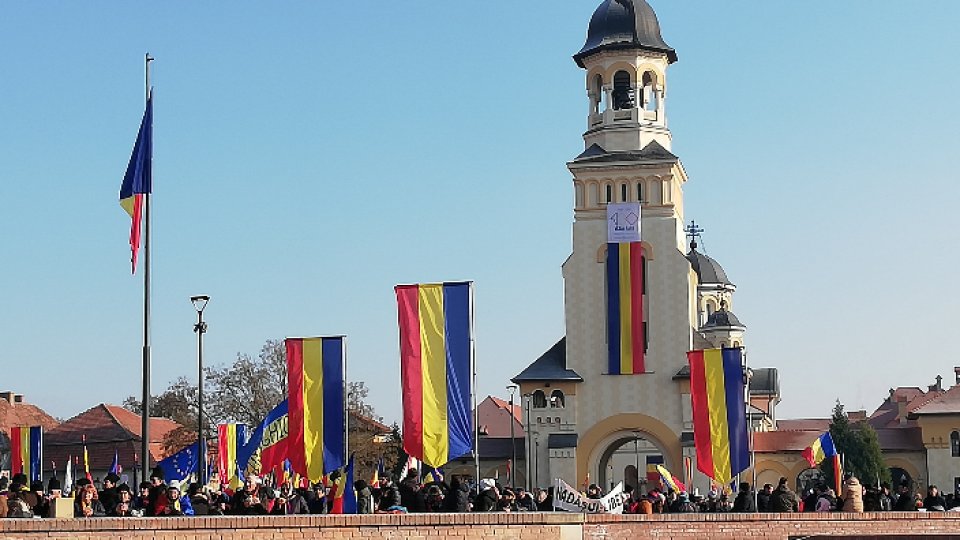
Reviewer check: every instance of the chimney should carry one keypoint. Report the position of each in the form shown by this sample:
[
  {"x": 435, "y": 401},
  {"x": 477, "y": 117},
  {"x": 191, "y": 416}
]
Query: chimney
[
  {"x": 956, "y": 371},
  {"x": 8, "y": 396},
  {"x": 939, "y": 383},
  {"x": 857, "y": 416},
  {"x": 902, "y": 409},
  {"x": 18, "y": 398}
]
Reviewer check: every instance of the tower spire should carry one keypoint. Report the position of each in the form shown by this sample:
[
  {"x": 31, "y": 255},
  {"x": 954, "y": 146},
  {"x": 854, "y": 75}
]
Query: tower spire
[{"x": 693, "y": 231}]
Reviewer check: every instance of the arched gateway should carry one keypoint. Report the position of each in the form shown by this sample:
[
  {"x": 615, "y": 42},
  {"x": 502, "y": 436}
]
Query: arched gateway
[{"x": 612, "y": 427}]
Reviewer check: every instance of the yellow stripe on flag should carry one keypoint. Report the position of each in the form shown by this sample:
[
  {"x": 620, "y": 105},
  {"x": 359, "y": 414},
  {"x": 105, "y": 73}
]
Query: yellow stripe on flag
[
  {"x": 313, "y": 406},
  {"x": 433, "y": 367},
  {"x": 25, "y": 451},
  {"x": 626, "y": 315},
  {"x": 717, "y": 401}
]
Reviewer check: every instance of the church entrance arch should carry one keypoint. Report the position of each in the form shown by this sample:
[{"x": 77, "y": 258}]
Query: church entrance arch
[
  {"x": 628, "y": 459},
  {"x": 611, "y": 445}
]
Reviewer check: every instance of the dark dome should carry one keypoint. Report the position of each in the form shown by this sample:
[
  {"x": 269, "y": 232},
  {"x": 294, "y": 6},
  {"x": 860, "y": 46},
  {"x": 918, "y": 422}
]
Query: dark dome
[
  {"x": 708, "y": 270},
  {"x": 721, "y": 318},
  {"x": 624, "y": 24}
]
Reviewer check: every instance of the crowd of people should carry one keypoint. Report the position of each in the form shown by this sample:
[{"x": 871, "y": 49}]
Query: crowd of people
[{"x": 20, "y": 499}]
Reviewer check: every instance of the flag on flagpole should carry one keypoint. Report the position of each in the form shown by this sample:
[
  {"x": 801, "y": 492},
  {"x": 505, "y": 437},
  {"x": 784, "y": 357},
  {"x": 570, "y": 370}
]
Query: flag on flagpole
[
  {"x": 350, "y": 494},
  {"x": 68, "y": 477},
  {"x": 86, "y": 460},
  {"x": 315, "y": 384},
  {"x": 378, "y": 473},
  {"x": 435, "y": 474},
  {"x": 819, "y": 450},
  {"x": 230, "y": 437},
  {"x": 435, "y": 363},
  {"x": 719, "y": 413},
  {"x": 26, "y": 444},
  {"x": 138, "y": 179},
  {"x": 412, "y": 463},
  {"x": 115, "y": 464},
  {"x": 625, "y": 340},
  {"x": 669, "y": 480},
  {"x": 267, "y": 445}
]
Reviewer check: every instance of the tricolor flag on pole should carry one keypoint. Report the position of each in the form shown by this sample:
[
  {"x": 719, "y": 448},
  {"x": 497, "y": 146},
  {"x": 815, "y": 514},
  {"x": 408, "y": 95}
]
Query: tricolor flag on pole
[
  {"x": 669, "y": 480},
  {"x": 719, "y": 413},
  {"x": 230, "y": 437},
  {"x": 315, "y": 384},
  {"x": 26, "y": 444},
  {"x": 435, "y": 369},
  {"x": 138, "y": 180},
  {"x": 821, "y": 449},
  {"x": 86, "y": 460}
]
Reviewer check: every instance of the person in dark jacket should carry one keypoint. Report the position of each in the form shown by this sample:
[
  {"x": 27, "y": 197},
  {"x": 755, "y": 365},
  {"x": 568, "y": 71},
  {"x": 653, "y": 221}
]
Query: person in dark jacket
[
  {"x": 487, "y": 499},
  {"x": 108, "y": 495},
  {"x": 763, "y": 498},
  {"x": 198, "y": 500},
  {"x": 745, "y": 500},
  {"x": 458, "y": 497},
  {"x": 784, "y": 499},
  {"x": 410, "y": 496},
  {"x": 389, "y": 495},
  {"x": 905, "y": 502},
  {"x": 289, "y": 502},
  {"x": 251, "y": 500},
  {"x": 364, "y": 497},
  {"x": 934, "y": 501},
  {"x": 124, "y": 504},
  {"x": 86, "y": 504}
]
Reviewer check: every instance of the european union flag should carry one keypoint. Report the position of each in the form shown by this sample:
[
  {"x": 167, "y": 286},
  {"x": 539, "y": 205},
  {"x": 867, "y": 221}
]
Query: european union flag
[{"x": 182, "y": 464}]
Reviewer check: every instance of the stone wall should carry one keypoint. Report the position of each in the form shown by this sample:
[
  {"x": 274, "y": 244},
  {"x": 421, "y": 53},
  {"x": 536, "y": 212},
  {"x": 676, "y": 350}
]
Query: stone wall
[{"x": 533, "y": 526}]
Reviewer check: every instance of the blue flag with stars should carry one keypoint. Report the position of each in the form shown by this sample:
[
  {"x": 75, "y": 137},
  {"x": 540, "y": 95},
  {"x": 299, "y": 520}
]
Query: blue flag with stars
[{"x": 182, "y": 464}]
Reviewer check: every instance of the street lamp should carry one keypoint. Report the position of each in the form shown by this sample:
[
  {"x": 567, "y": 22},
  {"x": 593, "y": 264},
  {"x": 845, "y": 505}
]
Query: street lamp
[
  {"x": 200, "y": 303},
  {"x": 528, "y": 449},
  {"x": 513, "y": 440}
]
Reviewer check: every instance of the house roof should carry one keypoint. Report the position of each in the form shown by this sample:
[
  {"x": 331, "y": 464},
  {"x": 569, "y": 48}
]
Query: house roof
[
  {"x": 369, "y": 423},
  {"x": 505, "y": 405},
  {"x": 907, "y": 439},
  {"x": 496, "y": 420},
  {"x": 947, "y": 402},
  {"x": 108, "y": 429},
  {"x": 551, "y": 366},
  {"x": 804, "y": 424},
  {"x": 653, "y": 152},
  {"x": 24, "y": 414}
]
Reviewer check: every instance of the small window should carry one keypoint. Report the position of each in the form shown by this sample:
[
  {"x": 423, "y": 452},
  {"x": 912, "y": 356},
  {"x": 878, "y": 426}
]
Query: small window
[
  {"x": 640, "y": 191},
  {"x": 539, "y": 419},
  {"x": 556, "y": 399},
  {"x": 623, "y": 193},
  {"x": 622, "y": 93},
  {"x": 955, "y": 444},
  {"x": 557, "y": 419},
  {"x": 643, "y": 271},
  {"x": 539, "y": 400},
  {"x": 609, "y": 193}
]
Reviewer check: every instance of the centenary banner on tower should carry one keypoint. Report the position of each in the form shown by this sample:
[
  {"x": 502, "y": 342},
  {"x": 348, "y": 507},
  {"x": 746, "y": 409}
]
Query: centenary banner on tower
[
  {"x": 436, "y": 325},
  {"x": 570, "y": 500},
  {"x": 315, "y": 385},
  {"x": 626, "y": 341}
]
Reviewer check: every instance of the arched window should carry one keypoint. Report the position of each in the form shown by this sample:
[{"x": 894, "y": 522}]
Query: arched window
[
  {"x": 598, "y": 91},
  {"x": 955, "y": 443},
  {"x": 609, "y": 193},
  {"x": 640, "y": 191},
  {"x": 649, "y": 94},
  {"x": 622, "y": 93},
  {"x": 539, "y": 400},
  {"x": 623, "y": 193},
  {"x": 556, "y": 399}
]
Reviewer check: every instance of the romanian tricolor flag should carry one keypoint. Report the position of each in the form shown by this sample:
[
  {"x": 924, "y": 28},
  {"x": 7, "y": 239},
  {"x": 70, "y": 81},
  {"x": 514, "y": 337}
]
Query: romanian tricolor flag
[
  {"x": 625, "y": 335},
  {"x": 230, "y": 438},
  {"x": 719, "y": 413},
  {"x": 436, "y": 331},
  {"x": 138, "y": 180},
  {"x": 378, "y": 474},
  {"x": 26, "y": 444},
  {"x": 822, "y": 449},
  {"x": 669, "y": 480},
  {"x": 315, "y": 383},
  {"x": 86, "y": 460},
  {"x": 653, "y": 474}
]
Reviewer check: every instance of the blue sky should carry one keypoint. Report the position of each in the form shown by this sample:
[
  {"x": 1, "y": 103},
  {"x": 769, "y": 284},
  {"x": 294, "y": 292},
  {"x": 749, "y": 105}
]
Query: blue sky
[{"x": 311, "y": 155}]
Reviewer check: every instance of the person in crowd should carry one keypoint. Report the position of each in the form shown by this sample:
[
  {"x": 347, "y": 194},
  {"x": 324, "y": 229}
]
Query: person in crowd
[
  {"x": 158, "y": 490},
  {"x": 951, "y": 501},
  {"x": 42, "y": 506},
  {"x": 123, "y": 507},
  {"x": 198, "y": 499},
  {"x": 86, "y": 504},
  {"x": 410, "y": 496},
  {"x": 852, "y": 494},
  {"x": 826, "y": 501},
  {"x": 141, "y": 502},
  {"x": 507, "y": 502},
  {"x": 18, "y": 501},
  {"x": 885, "y": 499},
  {"x": 173, "y": 502},
  {"x": 763, "y": 498},
  {"x": 904, "y": 502},
  {"x": 745, "y": 501},
  {"x": 433, "y": 498},
  {"x": 783, "y": 498},
  {"x": 108, "y": 495},
  {"x": 389, "y": 495},
  {"x": 525, "y": 500},
  {"x": 289, "y": 502},
  {"x": 934, "y": 501},
  {"x": 250, "y": 501},
  {"x": 632, "y": 503},
  {"x": 594, "y": 492},
  {"x": 684, "y": 504},
  {"x": 457, "y": 498},
  {"x": 544, "y": 499},
  {"x": 486, "y": 500},
  {"x": 809, "y": 501}
]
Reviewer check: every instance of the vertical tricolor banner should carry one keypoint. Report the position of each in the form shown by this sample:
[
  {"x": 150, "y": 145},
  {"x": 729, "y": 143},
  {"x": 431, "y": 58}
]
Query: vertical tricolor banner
[
  {"x": 719, "y": 415},
  {"x": 436, "y": 331},
  {"x": 625, "y": 340},
  {"x": 230, "y": 438},
  {"x": 138, "y": 180},
  {"x": 26, "y": 444},
  {"x": 317, "y": 423}
]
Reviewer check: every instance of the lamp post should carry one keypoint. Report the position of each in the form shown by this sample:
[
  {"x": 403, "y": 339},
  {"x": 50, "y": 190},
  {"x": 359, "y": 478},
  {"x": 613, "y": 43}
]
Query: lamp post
[
  {"x": 513, "y": 440},
  {"x": 636, "y": 455},
  {"x": 526, "y": 441},
  {"x": 200, "y": 303}
]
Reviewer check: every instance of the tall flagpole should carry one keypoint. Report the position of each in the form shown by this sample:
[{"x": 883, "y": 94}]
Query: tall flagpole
[
  {"x": 346, "y": 406},
  {"x": 145, "y": 418},
  {"x": 473, "y": 391}
]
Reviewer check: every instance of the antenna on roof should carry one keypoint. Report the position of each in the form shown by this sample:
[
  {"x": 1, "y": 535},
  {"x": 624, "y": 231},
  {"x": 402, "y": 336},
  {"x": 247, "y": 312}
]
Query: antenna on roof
[{"x": 693, "y": 232}]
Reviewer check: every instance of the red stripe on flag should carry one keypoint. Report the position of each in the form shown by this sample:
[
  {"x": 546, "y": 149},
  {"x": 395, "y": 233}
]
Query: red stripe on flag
[
  {"x": 636, "y": 305},
  {"x": 295, "y": 445},
  {"x": 701, "y": 413},
  {"x": 411, "y": 373},
  {"x": 135, "y": 231},
  {"x": 16, "y": 461}
]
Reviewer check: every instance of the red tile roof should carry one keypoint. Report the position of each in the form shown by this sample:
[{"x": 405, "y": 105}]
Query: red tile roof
[
  {"x": 517, "y": 411},
  {"x": 108, "y": 429},
  {"x": 495, "y": 419},
  {"x": 947, "y": 402},
  {"x": 24, "y": 414},
  {"x": 891, "y": 439},
  {"x": 804, "y": 424}
]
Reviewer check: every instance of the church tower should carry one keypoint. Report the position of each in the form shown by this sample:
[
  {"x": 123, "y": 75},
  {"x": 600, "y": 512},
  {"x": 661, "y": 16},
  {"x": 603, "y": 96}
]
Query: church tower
[{"x": 627, "y": 157}]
